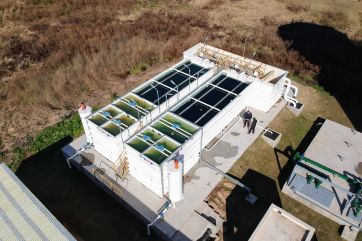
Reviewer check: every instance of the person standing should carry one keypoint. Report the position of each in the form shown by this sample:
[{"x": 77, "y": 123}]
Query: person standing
[
  {"x": 247, "y": 118},
  {"x": 252, "y": 126}
]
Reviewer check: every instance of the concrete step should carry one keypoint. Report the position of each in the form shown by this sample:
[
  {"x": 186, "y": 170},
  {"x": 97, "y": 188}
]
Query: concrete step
[
  {"x": 349, "y": 234},
  {"x": 208, "y": 213},
  {"x": 200, "y": 208},
  {"x": 195, "y": 226}
]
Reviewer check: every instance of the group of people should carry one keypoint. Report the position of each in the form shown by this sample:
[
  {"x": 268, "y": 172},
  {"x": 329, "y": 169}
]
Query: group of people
[{"x": 249, "y": 121}]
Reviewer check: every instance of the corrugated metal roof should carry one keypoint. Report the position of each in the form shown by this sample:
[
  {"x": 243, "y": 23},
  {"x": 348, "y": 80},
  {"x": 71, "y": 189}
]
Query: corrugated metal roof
[{"x": 22, "y": 215}]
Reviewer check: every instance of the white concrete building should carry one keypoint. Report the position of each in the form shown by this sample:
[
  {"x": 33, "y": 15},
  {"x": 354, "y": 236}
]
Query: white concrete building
[
  {"x": 279, "y": 225},
  {"x": 174, "y": 115}
]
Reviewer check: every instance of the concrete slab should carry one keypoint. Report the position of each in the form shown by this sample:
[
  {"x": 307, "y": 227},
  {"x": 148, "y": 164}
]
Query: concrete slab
[
  {"x": 320, "y": 195},
  {"x": 349, "y": 234},
  {"x": 198, "y": 182},
  {"x": 296, "y": 110},
  {"x": 350, "y": 214},
  {"x": 271, "y": 137},
  {"x": 193, "y": 231},
  {"x": 338, "y": 148},
  {"x": 279, "y": 225}
]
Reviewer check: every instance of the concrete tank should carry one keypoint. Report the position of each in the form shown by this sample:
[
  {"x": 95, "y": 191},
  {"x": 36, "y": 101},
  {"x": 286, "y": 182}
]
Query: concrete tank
[
  {"x": 175, "y": 182},
  {"x": 84, "y": 112}
]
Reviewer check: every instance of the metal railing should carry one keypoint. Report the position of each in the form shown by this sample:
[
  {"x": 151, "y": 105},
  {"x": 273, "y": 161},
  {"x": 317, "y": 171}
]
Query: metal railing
[
  {"x": 101, "y": 176},
  {"x": 224, "y": 60}
]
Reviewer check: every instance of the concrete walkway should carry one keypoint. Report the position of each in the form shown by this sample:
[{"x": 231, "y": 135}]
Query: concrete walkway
[{"x": 180, "y": 223}]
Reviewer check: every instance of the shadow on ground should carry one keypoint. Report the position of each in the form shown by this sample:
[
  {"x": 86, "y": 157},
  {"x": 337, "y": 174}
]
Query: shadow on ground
[
  {"x": 243, "y": 217},
  {"x": 289, "y": 152},
  {"x": 338, "y": 58},
  {"x": 84, "y": 209}
]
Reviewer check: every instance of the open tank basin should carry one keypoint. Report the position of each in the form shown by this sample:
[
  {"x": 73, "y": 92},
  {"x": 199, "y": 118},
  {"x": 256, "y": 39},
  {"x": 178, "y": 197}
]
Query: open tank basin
[
  {"x": 183, "y": 124},
  {"x": 112, "y": 129},
  {"x": 155, "y": 155},
  {"x": 168, "y": 144},
  {"x": 112, "y": 111},
  {"x": 129, "y": 109},
  {"x": 126, "y": 119},
  {"x": 141, "y": 103},
  {"x": 138, "y": 145},
  {"x": 151, "y": 134},
  {"x": 98, "y": 119},
  {"x": 170, "y": 132}
]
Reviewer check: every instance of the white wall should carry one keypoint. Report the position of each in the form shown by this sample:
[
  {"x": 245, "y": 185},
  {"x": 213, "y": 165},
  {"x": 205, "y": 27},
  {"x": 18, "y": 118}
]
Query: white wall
[
  {"x": 146, "y": 172},
  {"x": 112, "y": 147},
  {"x": 258, "y": 94}
]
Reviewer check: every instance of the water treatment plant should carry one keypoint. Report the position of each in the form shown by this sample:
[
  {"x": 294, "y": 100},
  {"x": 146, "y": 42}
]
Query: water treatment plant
[{"x": 152, "y": 149}]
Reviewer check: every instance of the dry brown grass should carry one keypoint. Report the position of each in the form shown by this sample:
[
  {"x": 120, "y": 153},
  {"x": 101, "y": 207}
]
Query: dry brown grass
[
  {"x": 298, "y": 7},
  {"x": 54, "y": 54},
  {"x": 66, "y": 58},
  {"x": 335, "y": 18}
]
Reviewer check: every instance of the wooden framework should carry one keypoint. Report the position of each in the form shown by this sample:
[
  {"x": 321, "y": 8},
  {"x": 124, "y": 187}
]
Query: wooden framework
[{"x": 224, "y": 60}]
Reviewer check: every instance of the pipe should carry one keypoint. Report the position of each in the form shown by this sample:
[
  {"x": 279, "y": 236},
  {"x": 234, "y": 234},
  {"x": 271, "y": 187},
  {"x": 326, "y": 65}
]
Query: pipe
[
  {"x": 158, "y": 97},
  {"x": 295, "y": 92},
  {"x": 151, "y": 224},
  {"x": 162, "y": 184},
  {"x": 160, "y": 214},
  {"x": 226, "y": 175},
  {"x": 77, "y": 152},
  {"x": 300, "y": 157},
  {"x": 291, "y": 100},
  {"x": 295, "y": 88}
]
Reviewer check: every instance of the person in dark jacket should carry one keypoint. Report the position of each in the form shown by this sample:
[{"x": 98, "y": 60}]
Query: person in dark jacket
[
  {"x": 247, "y": 118},
  {"x": 252, "y": 126}
]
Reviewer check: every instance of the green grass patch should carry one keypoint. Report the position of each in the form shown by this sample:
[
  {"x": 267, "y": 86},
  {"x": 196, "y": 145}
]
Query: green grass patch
[
  {"x": 308, "y": 81},
  {"x": 139, "y": 68},
  {"x": 147, "y": 5},
  {"x": 71, "y": 126}
]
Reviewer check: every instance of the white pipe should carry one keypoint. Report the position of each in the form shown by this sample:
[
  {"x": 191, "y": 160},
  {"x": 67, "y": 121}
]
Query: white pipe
[
  {"x": 295, "y": 92},
  {"x": 151, "y": 224},
  {"x": 78, "y": 152},
  {"x": 291, "y": 100},
  {"x": 161, "y": 214}
]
